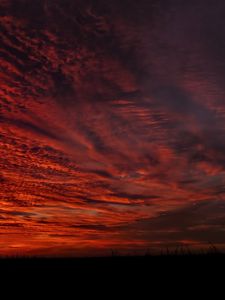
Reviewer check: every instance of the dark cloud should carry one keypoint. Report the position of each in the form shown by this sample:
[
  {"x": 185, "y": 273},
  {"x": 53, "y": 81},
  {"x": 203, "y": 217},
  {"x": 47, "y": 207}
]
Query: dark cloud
[
  {"x": 21, "y": 213},
  {"x": 102, "y": 173},
  {"x": 135, "y": 196},
  {"x": 37, "y": 129},
  {"x": 201, "y": 222},
  {"x": 91, "y": 227},
  {"x": 63, "y": 88},
  {"x": 11, "y": 225}
]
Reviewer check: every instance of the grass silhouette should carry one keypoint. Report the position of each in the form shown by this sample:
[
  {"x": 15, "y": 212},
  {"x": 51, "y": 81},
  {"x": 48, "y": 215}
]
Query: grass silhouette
[{"x": 150, "y": 267}]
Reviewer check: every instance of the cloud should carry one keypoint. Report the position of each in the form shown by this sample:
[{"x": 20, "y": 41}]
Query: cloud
[
  {"x": 112, "y": 121},
  {"x": 199, "y": 223}
]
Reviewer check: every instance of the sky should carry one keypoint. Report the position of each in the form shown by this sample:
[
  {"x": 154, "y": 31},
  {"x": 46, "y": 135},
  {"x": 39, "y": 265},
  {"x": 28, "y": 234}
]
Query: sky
[{"x": 112, "y": 126}]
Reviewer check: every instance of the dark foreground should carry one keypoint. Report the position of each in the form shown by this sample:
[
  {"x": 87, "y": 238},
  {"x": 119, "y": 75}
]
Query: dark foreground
[
  {"x": 163, "y": 274},
  {"x": 118, "y": 264}
]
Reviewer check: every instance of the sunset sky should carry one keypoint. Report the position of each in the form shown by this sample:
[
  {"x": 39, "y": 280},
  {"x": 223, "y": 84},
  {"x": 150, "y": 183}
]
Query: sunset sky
[{"x": 112, "y": 125}]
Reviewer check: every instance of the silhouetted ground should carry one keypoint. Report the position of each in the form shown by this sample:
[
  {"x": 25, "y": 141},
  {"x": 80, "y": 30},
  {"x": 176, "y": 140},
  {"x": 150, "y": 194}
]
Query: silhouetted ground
[
  {"x": 162, "y": 274},
  {"x": 117, "y": 264}
]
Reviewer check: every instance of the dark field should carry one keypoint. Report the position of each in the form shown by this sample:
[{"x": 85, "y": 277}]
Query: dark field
[
  {"x": 118, "y": 264},
  {"x": 172, "y": 274}
]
